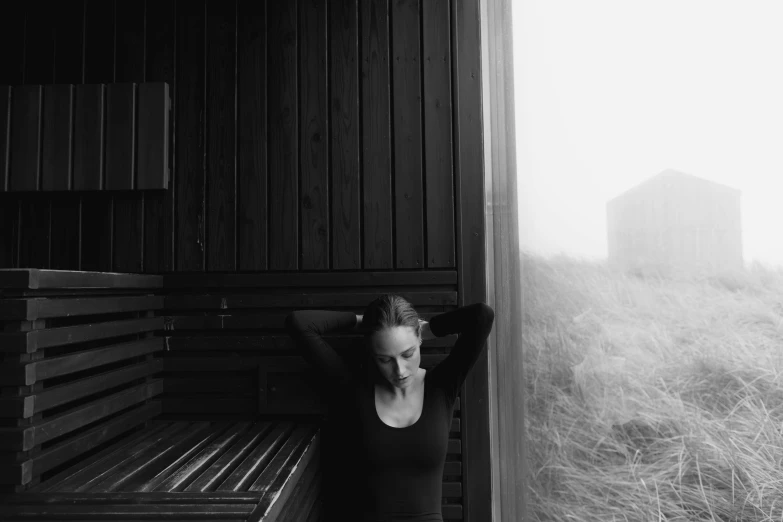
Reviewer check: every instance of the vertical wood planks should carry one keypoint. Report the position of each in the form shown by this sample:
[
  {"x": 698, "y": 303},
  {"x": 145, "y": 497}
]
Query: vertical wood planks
[
  {"x": 120, "y": 135},
  {"x": 57, "y": 137},
  {"x": 344, "y": 89},
  {"x": 406, "y": 93},
  {"x": 68, "y": 69},
  {"x": 221, "y": 81},
  {"x": 252, "y": 175},
  {"x": 190, "y": 136},
  {"x": 39, "y": 43},
  {"x": 313, "y": 140},
  {"x": 89, "y": 101},
  {"x": 99, "y": 68},
  {"x": 26, "y": 138},
  {"x": 153, "y": 136},
  {"x": 34, "y": 223},
  {"x": 376, "y": 149},
  {"x": 5, "y": 134},
  {"x": 283, "y": 150},
  {"x": 160, "y": 43},
  {"x": 437, "y": 128}
]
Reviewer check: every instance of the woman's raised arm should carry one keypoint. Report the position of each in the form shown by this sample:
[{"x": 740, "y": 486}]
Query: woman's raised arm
[{"x": 306, "y": 328}]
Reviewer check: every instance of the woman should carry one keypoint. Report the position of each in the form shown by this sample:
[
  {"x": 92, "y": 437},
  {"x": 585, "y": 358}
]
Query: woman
[{"x": 390, "y": 424}]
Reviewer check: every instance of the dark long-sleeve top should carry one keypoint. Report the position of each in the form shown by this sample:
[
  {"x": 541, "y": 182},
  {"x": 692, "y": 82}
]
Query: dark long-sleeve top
[{"x": 388, "y": 473}]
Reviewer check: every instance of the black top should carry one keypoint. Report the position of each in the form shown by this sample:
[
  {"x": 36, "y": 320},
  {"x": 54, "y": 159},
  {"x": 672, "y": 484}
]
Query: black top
[{"x": 386, "y": 473}]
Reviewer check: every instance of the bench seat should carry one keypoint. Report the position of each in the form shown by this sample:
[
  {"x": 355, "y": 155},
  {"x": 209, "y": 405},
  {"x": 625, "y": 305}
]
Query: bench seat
[{"x": 243, "y": 470}]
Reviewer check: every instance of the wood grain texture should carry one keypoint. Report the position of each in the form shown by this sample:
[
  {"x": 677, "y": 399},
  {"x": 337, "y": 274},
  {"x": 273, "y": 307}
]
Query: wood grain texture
[
  {"x": 314, "y": 139},
  {"x": 252, "y": 173},
  {"x": 153, "y": 121},
  {"x": 57, "y": 141},
  {"x": 65, "y": 231},
  {"x": 99, "y": 41},
  {"x": 437, "y": 127},
  {"x": 5, "y": 135},
  {"x": 407, "y": 120},
  {"x": 39, "y": 44},
  {"x": 346, "y": 240},
  {"x": 376, "y": 135},
  {"x": 189, "y": 141},
  {"x": 89, "y": 124},
  {"x": 128, "y": 228},
  {"x": 220, "y": 146},
  {"x": 160, "y": 62},
  {"x": 120, "y": 136},
  {"x": 283, "y": 143},
  {"x": 34, "y": 226},
  {"x": 26, "y": 109},
  {"x": 476, "y": 458},
  {"x": 69, "y": 41}
]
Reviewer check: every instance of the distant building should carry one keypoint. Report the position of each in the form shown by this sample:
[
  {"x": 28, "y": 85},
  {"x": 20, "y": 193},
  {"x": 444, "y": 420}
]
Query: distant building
[{"x": 678, "y": 221}]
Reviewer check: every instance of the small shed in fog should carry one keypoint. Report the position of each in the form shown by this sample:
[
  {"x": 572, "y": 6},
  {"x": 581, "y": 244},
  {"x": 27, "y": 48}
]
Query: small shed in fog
[{"x": 675, "y": 220}]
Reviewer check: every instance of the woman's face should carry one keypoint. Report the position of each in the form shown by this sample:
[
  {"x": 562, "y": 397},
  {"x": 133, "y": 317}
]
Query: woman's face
[{"x": 397, "y": 355}]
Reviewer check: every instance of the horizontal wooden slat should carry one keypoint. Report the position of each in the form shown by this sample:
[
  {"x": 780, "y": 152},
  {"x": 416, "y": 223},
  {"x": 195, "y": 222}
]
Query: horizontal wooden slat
[
  {"x": 125, "y": 497},
  {"x": 35, "y": 279},
  {"x": 29, "y": 342},
  {"x": 88, "y": 440},
  {"x": 242, "y": 477},
  {"x": 305, "y": 279},
  {"x": 27, "y": 406},
  {"x": 33, "y": 372},
  {"x": 299, "y": 299},
  {"x": 43, "y": 308},
  {"x": 25, "y": 438},
  {"x": 452, "y": 489},
  {"x": 452, "y": 468},
  {"x": 129, "y": 511},
  {"x": 261, "y": 343},
  {"x": 248, "y": 321},
  {"x": 451, "y": 511}
]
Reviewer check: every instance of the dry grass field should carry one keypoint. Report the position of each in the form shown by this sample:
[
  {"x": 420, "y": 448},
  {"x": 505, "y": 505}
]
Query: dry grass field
[{"x": 653, "y": 398}]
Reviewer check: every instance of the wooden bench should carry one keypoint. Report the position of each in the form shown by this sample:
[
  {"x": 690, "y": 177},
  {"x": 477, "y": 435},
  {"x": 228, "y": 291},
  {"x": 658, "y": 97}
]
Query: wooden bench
[
  {"x": 179, "y": 396},
  {"x": 82, "y": 381}
]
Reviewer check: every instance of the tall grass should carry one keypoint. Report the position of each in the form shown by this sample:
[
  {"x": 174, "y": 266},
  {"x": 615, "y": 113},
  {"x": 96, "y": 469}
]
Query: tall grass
[{"x": 653, "y": 398}]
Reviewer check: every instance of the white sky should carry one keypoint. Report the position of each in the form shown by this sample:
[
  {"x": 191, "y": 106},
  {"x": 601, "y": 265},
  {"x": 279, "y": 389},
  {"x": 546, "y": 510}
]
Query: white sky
[{"x": 609, "y": 93}]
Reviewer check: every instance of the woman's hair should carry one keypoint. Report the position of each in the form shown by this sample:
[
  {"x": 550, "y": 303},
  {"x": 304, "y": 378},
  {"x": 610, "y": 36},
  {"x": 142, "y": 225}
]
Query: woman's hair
[{"x": 387, "y": 311}]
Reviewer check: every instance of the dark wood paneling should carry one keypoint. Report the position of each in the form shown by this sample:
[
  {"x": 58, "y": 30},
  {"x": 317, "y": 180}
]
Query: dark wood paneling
[
  {"x": 283, "y": 142},
  {"x": 160, "y": 62},
  {"x": 89, "y": 109},
  {"x": 376, "y": 135},
  {"x": 99, "y": 41},
  {"x": 189, "y": 141},
  {"x": 39, "y": 45},
  {"x": 128, "y": 228},
  {"x": 437, "y": 127},
  {"x": 406, "y": 93},
  {"x": 152, "y": 144},
  {"x": 314, "y": 192},
  {"x": 9, "y": 232},
  {"x": 344, "y": 101},
  {"x": 120, "y": 136},
  {"x": 129, "y": 47},
  {"x": 65, "y": 231},
  {"x": 12, "y": 32},
  {"x": 252, "y": 174},
  {"x": 25, "y": 164},
  {"x": 220, "y": 146},
  {"x": 34, "y": 228},
  {"x": 69, "y": 39},
  {"x": 5, "y": 134},
  {"x": 96, "y": 235},
  {"x": 57, "y": 137}
]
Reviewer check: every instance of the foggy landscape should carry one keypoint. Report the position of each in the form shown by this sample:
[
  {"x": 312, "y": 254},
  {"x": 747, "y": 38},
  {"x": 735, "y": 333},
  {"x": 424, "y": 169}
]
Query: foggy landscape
[{"x": 649, "y": 173}]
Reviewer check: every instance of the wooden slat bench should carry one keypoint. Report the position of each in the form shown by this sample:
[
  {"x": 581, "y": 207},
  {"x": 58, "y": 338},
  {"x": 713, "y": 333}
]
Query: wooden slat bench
[{"x": 82, "y": 381}]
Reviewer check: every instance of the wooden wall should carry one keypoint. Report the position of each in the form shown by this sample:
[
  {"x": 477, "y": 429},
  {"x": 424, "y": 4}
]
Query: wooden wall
[{"x": 306, "y": 135}]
